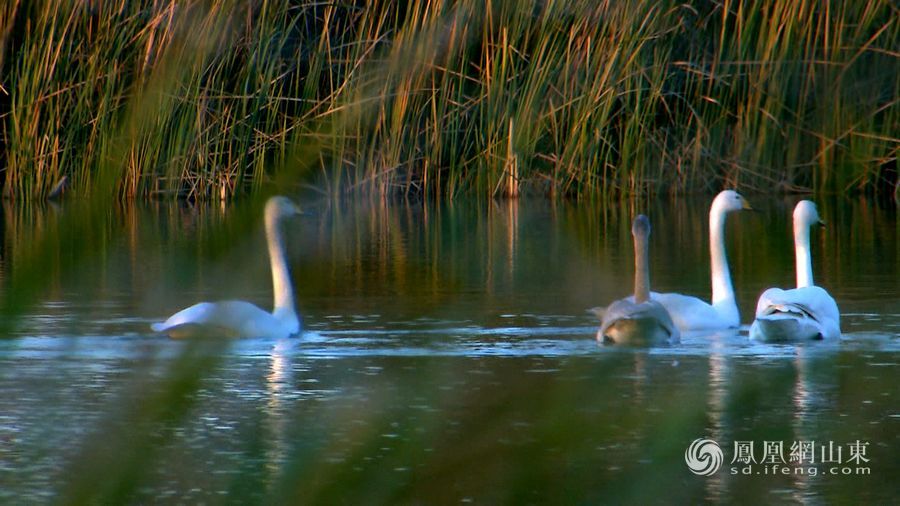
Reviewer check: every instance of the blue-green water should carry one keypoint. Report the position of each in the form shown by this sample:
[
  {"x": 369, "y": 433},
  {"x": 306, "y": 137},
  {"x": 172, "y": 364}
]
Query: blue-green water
[{"x": 447, "y": 357}]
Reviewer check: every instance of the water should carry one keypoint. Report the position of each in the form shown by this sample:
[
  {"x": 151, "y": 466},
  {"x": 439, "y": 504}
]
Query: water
[{"x": 447, "y": 357}]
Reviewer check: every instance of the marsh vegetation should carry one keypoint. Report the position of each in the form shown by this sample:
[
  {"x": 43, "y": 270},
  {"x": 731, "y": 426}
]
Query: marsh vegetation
[{"x": 205, "y": 100}]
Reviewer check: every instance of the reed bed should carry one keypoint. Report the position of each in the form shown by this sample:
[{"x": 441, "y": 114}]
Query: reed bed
[{"x": 208, "y": 100}]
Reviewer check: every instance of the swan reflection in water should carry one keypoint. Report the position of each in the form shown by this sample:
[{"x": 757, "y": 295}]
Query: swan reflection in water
[
  {"x": 717, "y": 404},
  {"x": 279, "y": 385},
  {"x": 806, "y": 399},
  {"x": 813, "y": 395}
]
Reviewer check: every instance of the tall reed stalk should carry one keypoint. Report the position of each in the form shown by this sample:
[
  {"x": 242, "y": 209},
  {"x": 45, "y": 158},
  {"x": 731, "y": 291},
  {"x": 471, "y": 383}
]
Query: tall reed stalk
[{"x": 446, "y": 98}]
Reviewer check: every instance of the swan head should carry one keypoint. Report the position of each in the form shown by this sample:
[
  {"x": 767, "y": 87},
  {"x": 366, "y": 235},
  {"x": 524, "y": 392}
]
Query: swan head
[
  {"x": 278, "y": 207},
  {"x": 729, "y": 200},
  {"x": 806, "y": 214},
  {"x": 641, "y": 226}
]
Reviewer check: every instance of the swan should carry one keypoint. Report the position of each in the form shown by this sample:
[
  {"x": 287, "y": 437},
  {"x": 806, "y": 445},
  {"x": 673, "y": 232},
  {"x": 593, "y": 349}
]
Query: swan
[
  {"x": 805, "y": 312},
  {"x": 638, "y": 319},
  {"x": 236, "y": 318},
  {"x": 691, "y": 313}
]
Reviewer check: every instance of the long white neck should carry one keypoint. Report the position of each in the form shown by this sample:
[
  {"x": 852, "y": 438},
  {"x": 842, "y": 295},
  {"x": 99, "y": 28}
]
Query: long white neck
[
  {"x": 722, "y": 290},
  {"x": 641, "y": 270},
  {"x": 802, "y": 256},
  {"x": 281, "y": 277}
]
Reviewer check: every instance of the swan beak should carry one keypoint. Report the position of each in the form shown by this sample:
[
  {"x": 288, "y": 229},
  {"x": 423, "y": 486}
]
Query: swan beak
[{"x": 746, "y": 205}]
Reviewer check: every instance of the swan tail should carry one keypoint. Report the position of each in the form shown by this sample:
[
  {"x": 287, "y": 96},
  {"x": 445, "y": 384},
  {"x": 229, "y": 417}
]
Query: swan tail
[
  {"x": 637, "y": 331},
  {"x": 196, "y": 314},
  {"x": 646, "y": 323},
  {"x": 785, "y": 326},
  {"x": 599, "y": 312}
]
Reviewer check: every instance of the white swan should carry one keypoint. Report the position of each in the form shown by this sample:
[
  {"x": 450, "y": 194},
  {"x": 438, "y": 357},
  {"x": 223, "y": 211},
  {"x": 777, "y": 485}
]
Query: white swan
[
  {"x": 805, "y": 312},
  {"x": 638, "y": 319},
  {"x": 236, "y": 318},
  {"x": 691, "y": 313}
]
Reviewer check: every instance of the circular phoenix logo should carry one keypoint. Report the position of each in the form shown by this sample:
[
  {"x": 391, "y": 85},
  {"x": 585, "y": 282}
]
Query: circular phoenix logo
[{"x": 703, "y": 457}]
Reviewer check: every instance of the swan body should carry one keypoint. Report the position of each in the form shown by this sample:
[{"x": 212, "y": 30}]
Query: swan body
[
  {"x": 235, "y": 318},
  {"x": 803, "y": 313},
  {"x": 230, "y": 318},
  {"x": 638, "y": 319},
  {"x": 692, "y": 313},
  {"x": 628, "y": 322}
]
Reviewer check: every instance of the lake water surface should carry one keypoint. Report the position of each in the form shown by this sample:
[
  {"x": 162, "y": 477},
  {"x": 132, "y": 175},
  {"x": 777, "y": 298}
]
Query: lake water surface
[{"x": 447, "y": 357}]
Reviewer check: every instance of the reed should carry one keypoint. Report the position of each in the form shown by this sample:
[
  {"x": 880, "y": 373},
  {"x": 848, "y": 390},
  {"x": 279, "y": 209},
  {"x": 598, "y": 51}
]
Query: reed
[{"x": 445, "y": 98}]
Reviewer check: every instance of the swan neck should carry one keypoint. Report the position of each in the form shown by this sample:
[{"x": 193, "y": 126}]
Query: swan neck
[
  {"x": 641, "y": 270},
  {"x": 281, "y": 277},
  {"x": 722, "y": 289},
  {"x": 802, "y": 254}
]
